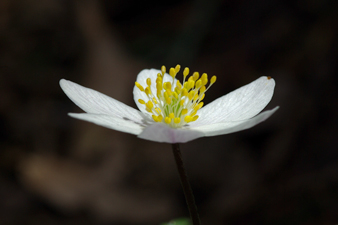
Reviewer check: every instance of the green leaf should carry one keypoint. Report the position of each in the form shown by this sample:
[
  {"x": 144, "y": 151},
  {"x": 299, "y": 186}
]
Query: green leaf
[{"x": 179, "y": 221}]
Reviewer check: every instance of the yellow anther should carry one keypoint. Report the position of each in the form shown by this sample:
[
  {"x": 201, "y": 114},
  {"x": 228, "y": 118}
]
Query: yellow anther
[
  {"x": 188, "y": 119},
  {"x": 201, "y": 98},
  {"x": 197, "y": 107},
  {"x": 148, "y": 81},
  {"x": 154, "y": 118},
  {"x": 172, "y": 72},
  {"x": 163, "y": 69},
  {"x": 155, "y": 101},
  {"x": 198, "y": 83},
  {"x": 177, "y": 90},
  {"x": 178, "y": 85},
  {"x": 191, "y": 84},
  {"x": 168, "y": 100},
  {"x": 191, "y": 94},
  {"x": 158, "y": 110},
  {"x": 177, "y": 68},
  {"x": 184, "y": 111},
  {"x": 171, "y": 115},
  {"x": 182, "y": 102},
  {"x": 141, "y": 101},
  {"x": 159, "y": 86},
  {"x": 149, "y": 110},
  {"x": 185, "y": 72},
  {"x": 170, "y": 93},
  {"x": 213, "y": 80},
  {"x": 139, "y": 86},
  {"x": 177, "y": 120},
  {"x": 167, "y": 86},
  {"x": 204, "y": 79},
  {"x": 195, "y": 118},
  {"x": 184, "y": 92},
  {"x": 167, "y": 120},
  {"x": 175, "y": 95},
  {"x": 195, "y": 76},
  {"x": 195, "y": 97},
  {"x": 165, "y": 95},
  {"x": 160, "y": 118},
  {"x": 202, "y": 89},
  {"x": 149, "y": 105},
  {"x": 193, "y": 113},
  {"x": 147, "y": 91}
]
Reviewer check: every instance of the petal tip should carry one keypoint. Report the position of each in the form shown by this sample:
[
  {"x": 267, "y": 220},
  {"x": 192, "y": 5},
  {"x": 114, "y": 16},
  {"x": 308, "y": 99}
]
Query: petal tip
[{"x": 63, "y": 83}]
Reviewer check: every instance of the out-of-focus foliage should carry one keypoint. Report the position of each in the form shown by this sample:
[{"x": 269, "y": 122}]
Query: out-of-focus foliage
[{"x": 180, "y": 221}]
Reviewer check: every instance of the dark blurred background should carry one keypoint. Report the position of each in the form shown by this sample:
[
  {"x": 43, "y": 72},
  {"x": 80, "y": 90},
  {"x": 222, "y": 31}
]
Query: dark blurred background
[{"x": 57, "y": 170}]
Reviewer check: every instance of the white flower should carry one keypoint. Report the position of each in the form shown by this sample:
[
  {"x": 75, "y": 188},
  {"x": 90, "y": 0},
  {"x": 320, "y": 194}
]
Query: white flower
[{"x": 172, "y": 112}]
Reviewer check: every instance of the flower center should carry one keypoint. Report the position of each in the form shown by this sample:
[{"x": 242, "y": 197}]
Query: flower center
[{"x": 173, "y": 103}]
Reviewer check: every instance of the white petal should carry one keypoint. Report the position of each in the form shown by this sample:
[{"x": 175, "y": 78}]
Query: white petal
[
  {"x": 160, "y": 132},
  {"x": 95, "y": 102},
  {"x": 240, "y": 104},
  {"x": 115, "y": 123},
  {"x": 142, "y": 80},
  {"x": 234, "y": 126}
]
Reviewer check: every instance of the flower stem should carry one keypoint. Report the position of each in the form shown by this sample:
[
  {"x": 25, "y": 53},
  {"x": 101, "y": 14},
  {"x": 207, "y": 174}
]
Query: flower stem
[{"x": 189, "y": 197}]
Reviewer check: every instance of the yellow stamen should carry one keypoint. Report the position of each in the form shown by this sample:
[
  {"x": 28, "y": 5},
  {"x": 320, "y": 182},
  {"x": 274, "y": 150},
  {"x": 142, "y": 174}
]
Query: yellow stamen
[
  {"x": 141, "y": 101},
  {"x": 163, "y": 70},
  {"x": 178, "y": 85},
  {"x": 158, "y": 110},
  {"x": 175, "y": 103},
  {"x": 204, "y": 78},
  {"x": 177, "y": 68},
  {"x": 198, "y": 84},
  {"x": 202, "y": 89},
  {"x": 139, "y": 86},
  {"x": 177, "y": 120},
  {"x": 201, "y": 98},
  {"x": 191, "y": 94},
  {"x": 167, "y": 120},
  {"x": 150, "y": 105},
  {"x": 172, "y": 72},
  {"x": 185, "y": 72},
  {"x": 167, "y": 86},
  {"x": 188, "y": 119},
  {"x": 195, "y": 76},
  {"x": 147, "y": 91},
  {"x": 168, "y": 100},
  {"x": 148, "y": 81},
  {"x": 213, "y": 80},
  {"x": 184, "y": 92}
]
